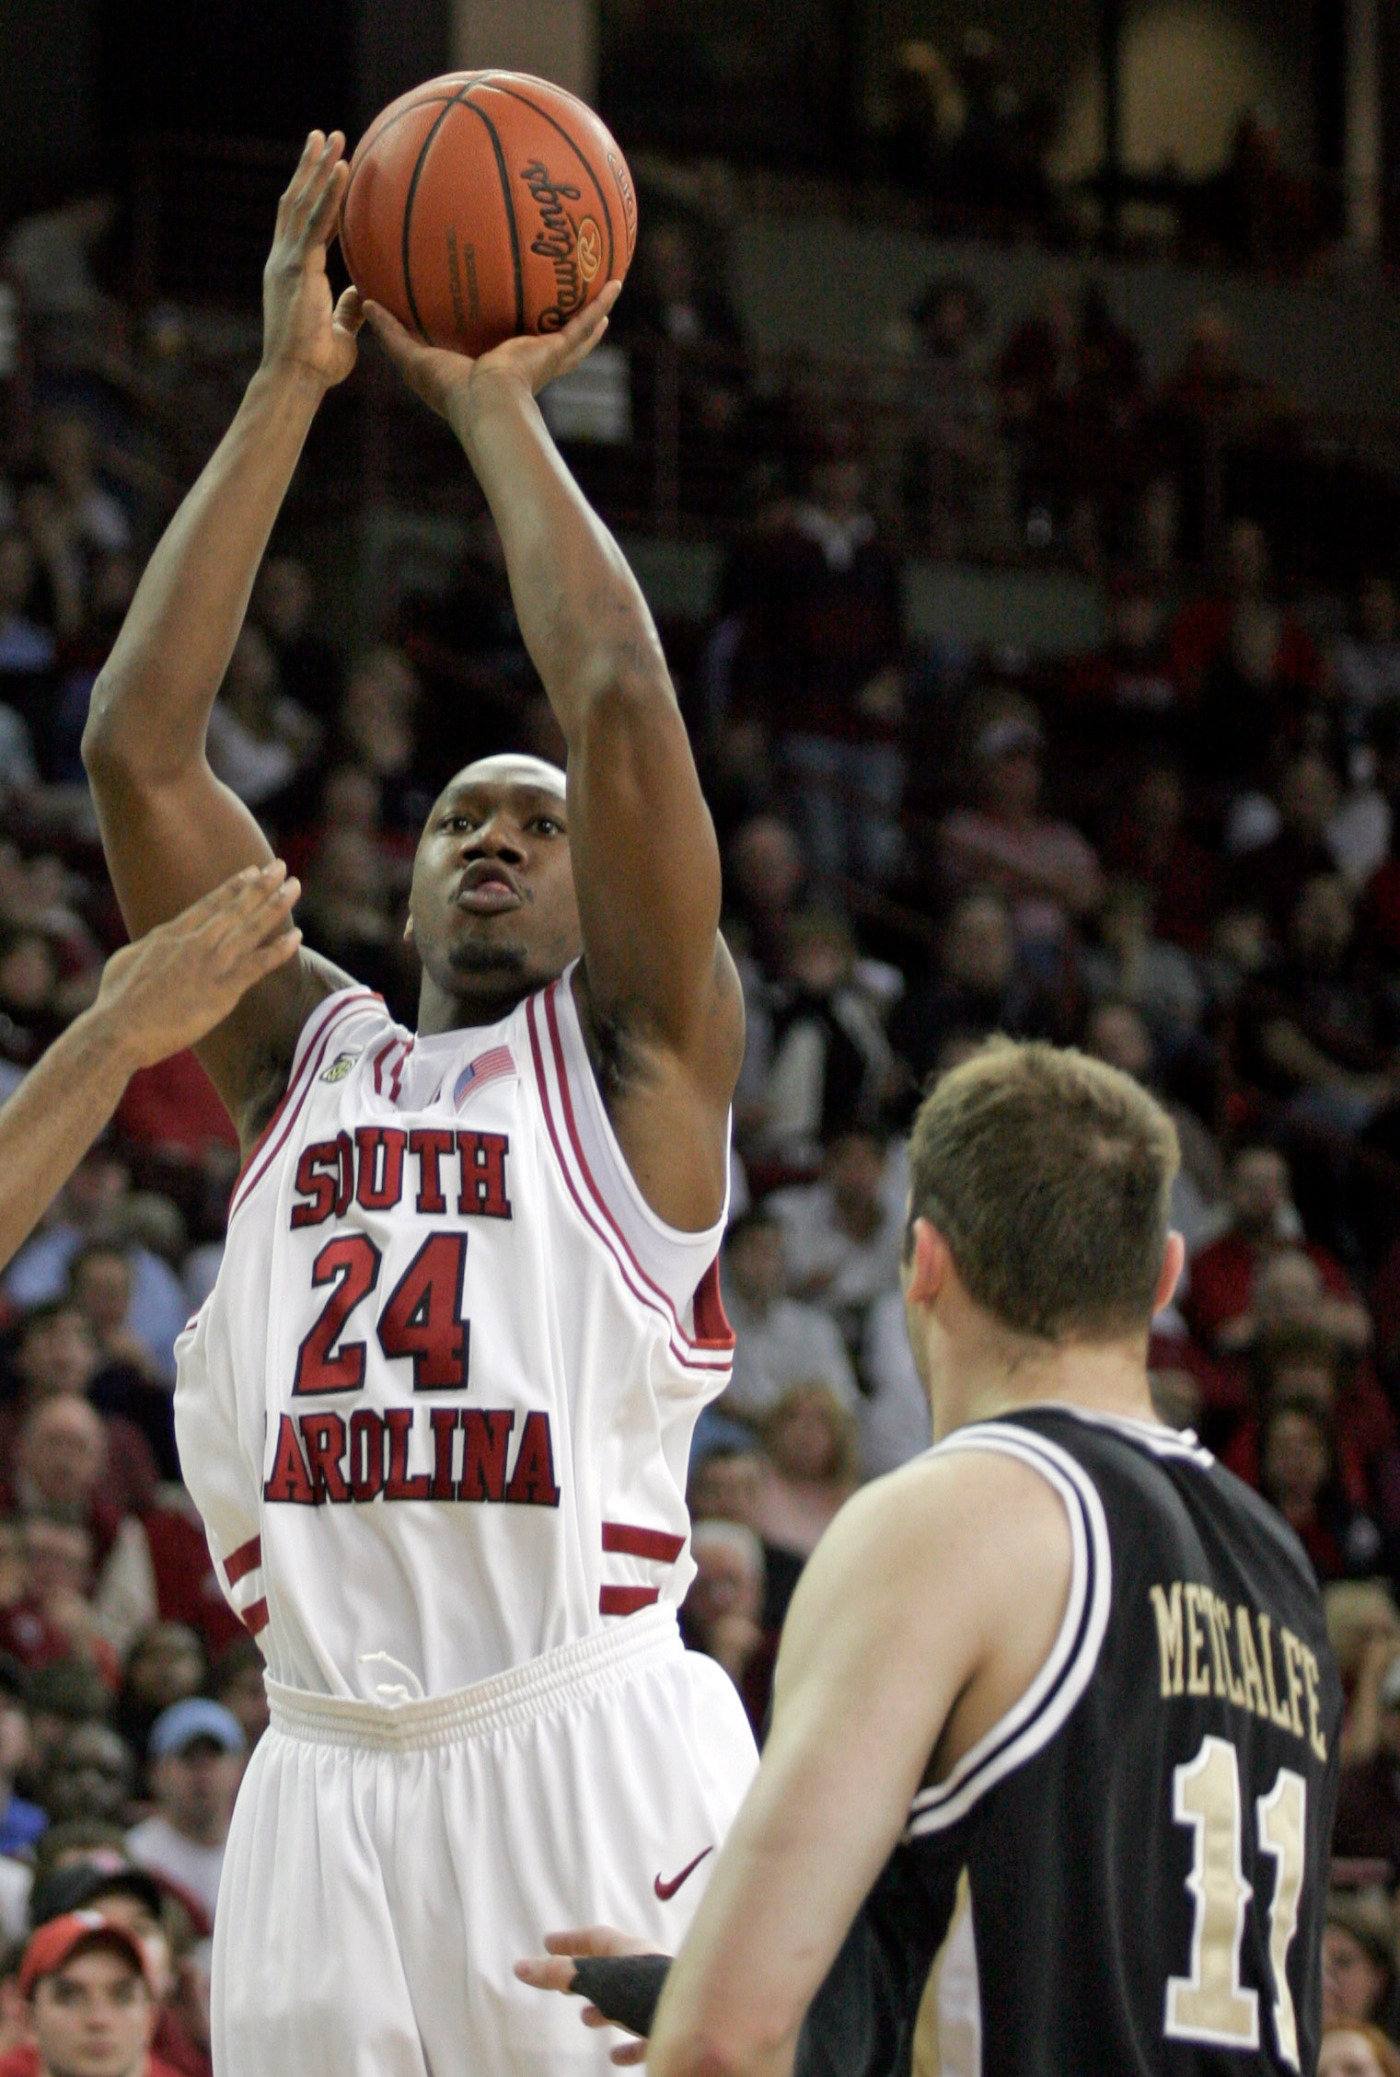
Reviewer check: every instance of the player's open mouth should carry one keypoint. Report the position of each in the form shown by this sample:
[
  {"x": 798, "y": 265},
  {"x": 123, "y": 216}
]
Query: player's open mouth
[{"x": 487, "y": 889}]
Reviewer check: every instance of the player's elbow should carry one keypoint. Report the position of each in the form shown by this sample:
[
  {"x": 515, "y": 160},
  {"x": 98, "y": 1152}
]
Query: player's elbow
[
  {"x": 625, "y": 712},
  {"x": 106, "y": 745},
  {"x": 732, "y": 2042},
  {"x": 116, "y": 750},
  {"x": 700, "y": 2055}
]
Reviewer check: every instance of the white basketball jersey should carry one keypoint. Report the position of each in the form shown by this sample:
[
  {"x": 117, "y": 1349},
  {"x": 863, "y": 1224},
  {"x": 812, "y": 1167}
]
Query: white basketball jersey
[{"x": 439, "y": 1403}]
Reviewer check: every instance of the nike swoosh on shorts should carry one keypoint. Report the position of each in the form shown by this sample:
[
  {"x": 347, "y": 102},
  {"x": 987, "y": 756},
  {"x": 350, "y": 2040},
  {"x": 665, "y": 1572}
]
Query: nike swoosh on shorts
[{"x": 667, "y": 1890}]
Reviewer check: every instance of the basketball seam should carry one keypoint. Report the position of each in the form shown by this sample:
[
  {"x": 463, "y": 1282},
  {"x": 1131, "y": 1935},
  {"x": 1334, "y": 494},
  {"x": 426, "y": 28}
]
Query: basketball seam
[
  {"x": 575, "y": 147},
  {"x": 427, "y": 145},
  {"x": 509, "y": 202},
  {"x": 377, "y": 129}
]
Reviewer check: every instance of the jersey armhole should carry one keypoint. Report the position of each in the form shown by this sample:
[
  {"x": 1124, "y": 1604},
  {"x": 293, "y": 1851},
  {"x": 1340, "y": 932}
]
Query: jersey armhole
[
  {"x": 329, "y": 1015},
  {"x": 1035, "y": 1718},
  {"x": 675, "y": 1267}
]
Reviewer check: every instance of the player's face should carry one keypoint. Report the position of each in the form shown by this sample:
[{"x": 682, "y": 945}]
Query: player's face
[{"x": 493, "y": 910}]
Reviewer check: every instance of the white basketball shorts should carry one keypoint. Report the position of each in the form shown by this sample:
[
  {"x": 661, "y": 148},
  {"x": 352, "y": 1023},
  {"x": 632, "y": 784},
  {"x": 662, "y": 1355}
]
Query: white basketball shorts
[{"x": 387, "y": 1866}]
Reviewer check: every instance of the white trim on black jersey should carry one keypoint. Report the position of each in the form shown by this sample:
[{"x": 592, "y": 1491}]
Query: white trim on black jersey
[
  {"x": 1154, "y": 1436},
  {"x": 1033, "y": 1721}
]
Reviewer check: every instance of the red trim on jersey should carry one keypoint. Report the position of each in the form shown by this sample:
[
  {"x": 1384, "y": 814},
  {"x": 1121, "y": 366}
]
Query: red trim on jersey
[
  {"x": 399, "y": 1065},
  {"x": 630, "y": 1541},
  {"x": 693, "y": 1341},
  {"x": 626, "y": 1600},
  {"x": 254, "y": 1618},
  {"x": 244, "y": 1560},
  {"x": 405, "y": 1047},
  {"x": 379, "y": 1059},
  {"x": 642, "y": 1297},
  {"x": 248, "y": 1182},
  {"x": 711, "y": 1320}
]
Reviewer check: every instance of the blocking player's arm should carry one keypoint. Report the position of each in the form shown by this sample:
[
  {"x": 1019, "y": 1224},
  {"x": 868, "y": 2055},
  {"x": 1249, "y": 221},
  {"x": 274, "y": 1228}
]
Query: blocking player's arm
[
  {"x": 156, "y": 997},
  {"x": 171, "y": 830},
  {"x": 925, "y": 1612},
  {"x": 660, "y": 990}
]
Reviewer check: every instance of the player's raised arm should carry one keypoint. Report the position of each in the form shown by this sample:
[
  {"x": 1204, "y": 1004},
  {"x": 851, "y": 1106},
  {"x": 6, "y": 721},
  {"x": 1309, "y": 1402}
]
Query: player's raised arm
[
  {"x": 157, "y": 996},
  {"x": 171, "y": 830},
  {"x": 659, "y": 990}
]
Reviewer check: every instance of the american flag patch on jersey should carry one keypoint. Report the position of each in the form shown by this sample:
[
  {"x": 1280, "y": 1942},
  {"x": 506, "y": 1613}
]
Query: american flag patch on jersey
[{"x": 487, "y": 1067}]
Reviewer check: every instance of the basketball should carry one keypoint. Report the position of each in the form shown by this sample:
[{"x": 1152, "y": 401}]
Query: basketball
[{"x": 486, "y": 204}]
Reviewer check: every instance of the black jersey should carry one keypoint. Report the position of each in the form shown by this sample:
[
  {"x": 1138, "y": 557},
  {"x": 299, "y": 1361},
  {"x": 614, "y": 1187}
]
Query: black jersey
[{"x": 1128, "y": 1873}]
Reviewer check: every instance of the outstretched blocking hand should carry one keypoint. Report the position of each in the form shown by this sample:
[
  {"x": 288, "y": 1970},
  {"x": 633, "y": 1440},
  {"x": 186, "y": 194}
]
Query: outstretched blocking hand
[
  {"x": 174, "y": 985},
  {"x": 439, "y": 376},
  {"x": 302, "y": 326},
  {"x": 554, "y": 1970}
]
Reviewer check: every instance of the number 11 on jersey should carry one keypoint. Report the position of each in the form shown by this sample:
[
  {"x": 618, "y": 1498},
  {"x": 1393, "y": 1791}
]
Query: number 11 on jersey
[{"x": 1211, "y": 2004}]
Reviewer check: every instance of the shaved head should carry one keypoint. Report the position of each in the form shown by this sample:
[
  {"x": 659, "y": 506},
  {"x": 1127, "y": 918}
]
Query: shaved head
[{"x": 513, "y": 768}]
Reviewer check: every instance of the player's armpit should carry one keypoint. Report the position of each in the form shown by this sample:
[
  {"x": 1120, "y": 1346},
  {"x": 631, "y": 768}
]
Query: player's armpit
[
  {"x": 900, "y": 1627},
  {"x": 168, "y": 845}
]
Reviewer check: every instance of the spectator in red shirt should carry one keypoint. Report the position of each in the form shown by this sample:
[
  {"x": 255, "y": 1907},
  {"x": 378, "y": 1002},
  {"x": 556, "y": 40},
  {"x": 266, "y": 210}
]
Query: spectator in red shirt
[
  {"x": 1220, "y": 1299},
  {"x": 1298, "y": 1474},
  {"x": 1304, "y": 1363}
]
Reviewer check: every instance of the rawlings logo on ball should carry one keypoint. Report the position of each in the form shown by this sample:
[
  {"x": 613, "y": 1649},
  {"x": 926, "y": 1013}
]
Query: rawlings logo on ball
[
  {"x": 590, "y": 248},
  {"x": 558, "y": 242}
]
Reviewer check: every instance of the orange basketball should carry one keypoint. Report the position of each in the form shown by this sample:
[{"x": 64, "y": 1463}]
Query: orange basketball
[{"x": 485, "y": 204}]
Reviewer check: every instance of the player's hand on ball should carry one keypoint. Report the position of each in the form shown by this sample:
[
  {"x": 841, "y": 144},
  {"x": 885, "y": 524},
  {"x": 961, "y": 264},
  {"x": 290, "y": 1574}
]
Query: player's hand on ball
[
  {"x": 302, "y": 326},
  {"x": 442, "y": 378},
  {"x": 554, "y": 1970},
  {"x": 175, "y": 984}
]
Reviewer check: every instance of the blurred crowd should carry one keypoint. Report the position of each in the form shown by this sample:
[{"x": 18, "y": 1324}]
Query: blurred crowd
[{"x": 1178, "y": 850}]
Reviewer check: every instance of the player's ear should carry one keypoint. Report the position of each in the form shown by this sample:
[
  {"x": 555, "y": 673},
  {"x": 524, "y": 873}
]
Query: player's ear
[
  {"x": 927, "y": 1263},
  {"x": 1173, "y": 1262}
]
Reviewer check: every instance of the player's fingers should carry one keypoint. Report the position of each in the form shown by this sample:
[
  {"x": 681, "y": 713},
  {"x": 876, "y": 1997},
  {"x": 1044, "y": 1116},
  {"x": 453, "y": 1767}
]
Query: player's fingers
[
  {"x": 546, "y": 1973},
  {"x": 591, "y": 1940},
  {"x": 349, "y": 312},
  {"x": 306, "y": 209},
  {"x": 304, "y": 178},
  {"x": 265, "y": 959},
  {"x": 309, "y": 151},
  {"x": 582, "y": 333},
  {"x": 325, "y": 209},
  {"x": 629, "y": 2055},
  {"x": 251, "y": 898},
  {"x": 240, "y": 888},
  {"x": 396, "y": 341},
  {"x": 271, "y": 913}
]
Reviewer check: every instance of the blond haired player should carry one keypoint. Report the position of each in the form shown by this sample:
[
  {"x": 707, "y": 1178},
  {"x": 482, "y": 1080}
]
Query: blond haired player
[
  {"x": 1054, "y": 1753},
  {"x": 436, "y": 1414}
]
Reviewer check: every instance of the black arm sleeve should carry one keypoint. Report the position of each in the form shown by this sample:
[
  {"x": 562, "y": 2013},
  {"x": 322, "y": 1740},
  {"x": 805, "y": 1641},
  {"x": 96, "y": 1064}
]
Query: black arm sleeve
[{"x": 626, "y": 1988}]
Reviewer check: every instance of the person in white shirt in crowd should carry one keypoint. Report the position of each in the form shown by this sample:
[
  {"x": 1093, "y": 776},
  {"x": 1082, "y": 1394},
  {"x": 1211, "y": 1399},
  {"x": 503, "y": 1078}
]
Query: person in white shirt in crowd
[
  {"x": 780, "y": 1341},
  {"x": 842, "y": 1235},
  {"x": 196, "y": 1754}
]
